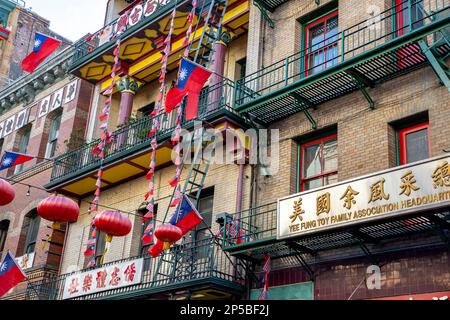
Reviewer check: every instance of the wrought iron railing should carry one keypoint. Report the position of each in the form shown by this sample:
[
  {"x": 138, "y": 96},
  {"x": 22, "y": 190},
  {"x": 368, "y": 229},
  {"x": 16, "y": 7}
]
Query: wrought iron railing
[
  {"x": 251, "y": 226},
  {"x": 194, "y": 261},
  {"x": 395, "y": 22},
  {"x": 129, "y": 138}
]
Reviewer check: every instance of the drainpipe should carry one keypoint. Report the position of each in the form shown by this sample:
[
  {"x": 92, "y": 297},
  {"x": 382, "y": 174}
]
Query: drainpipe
[{"x": 240, "y": 188}]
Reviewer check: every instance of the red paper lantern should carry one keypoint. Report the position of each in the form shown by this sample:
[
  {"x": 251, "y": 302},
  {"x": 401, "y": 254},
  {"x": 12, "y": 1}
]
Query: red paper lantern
[
  {"x": 7, "y": 193},
  {"x": 113, "y": 223},
  {"x": 168, "y": 233},
  {"x": 58, "y": 209}
]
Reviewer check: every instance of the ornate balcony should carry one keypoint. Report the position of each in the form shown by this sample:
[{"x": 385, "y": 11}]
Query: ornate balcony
[
  {"x": 366, "y": 54},
  {"x": 198, "y": 269},
  {"x": 127, "y": 155}
]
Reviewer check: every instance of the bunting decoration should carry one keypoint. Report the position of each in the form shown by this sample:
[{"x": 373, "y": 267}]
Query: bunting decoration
[
  {"x": 105, "y": 137},
  {"x": 156, "y": 114},
  {"x": 174, "y": 181},
  {"x": 90, "y": 248}
]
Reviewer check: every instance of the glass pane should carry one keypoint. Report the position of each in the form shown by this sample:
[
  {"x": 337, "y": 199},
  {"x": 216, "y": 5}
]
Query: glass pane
[
  {"x": 417, "y": 146},
  {"x": 311, "y": 161},
  {"x": 316, "y": 37},
  {"x": 317, "y": 62},
  {"x": 205, "y": 207},
  {"x": 54, "y": 129},
  {"x": 311, "y": 184},
  {"x": 330, "y": 155},
  {"x": 332, "y": 30}
]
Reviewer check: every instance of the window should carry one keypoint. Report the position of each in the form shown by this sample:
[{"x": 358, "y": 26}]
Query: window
[
  {"x": 413, "y": 143},
  {"x": 142, "y": 212},
  {"x": 53, "y": 136},
  {"x": 403, "y": 13},
  {"x": 241, "y": 65},
  {"x": 321, "y": 43},
  {"x": 100, "y": 245},
  {"x": 23, "y": 145},
  {"x": 318, "y": 165},
  {"x": 145, "y": 111},
  {"x": 4, "y": 226},
  {"x": 31, "y": 229},
  {"x": 1, "y": 145}
]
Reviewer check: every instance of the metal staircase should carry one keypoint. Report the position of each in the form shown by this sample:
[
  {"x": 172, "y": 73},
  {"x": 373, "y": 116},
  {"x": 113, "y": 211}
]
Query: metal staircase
[
  {"x": 210, "y": 17},
  {"x": 438, "y": 61}
]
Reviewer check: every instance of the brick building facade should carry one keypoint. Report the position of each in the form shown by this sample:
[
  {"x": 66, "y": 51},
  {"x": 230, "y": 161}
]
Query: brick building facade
[{"x": 355, "y": 90}]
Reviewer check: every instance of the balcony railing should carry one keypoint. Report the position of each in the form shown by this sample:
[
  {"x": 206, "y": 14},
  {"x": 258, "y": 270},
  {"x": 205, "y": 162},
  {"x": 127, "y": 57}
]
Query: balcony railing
[
  {"x": 174, "y": 269},
  {"x": 370, "y": 34},
  {"x": 104, "y": 36},
  {"x": 133, "y": 137}
]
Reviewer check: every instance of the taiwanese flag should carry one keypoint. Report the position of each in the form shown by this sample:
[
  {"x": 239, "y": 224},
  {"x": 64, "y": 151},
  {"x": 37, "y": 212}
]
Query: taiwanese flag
[
  {"x": 191, "y": 79},
  {"x": 186, "y": 217},
  {"x": 148, "y": 234},
  {"x": 10, "y": 274},
  {"x": 44, "y": 46},
  {"x": 11, "y": 159}
]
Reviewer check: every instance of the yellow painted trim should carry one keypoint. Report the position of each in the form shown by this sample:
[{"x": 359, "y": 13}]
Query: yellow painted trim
[{"x": 176, "y": 46}]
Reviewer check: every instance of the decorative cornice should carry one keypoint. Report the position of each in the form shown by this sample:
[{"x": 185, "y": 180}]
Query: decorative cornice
[{"x": 25, "y": 89}]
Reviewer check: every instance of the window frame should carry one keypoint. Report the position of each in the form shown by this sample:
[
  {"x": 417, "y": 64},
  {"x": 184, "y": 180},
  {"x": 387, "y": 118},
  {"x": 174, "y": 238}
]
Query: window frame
[
  {"x": 53, "y": 141},
  {"x": 26, "y": 133},
  {"x": 4, "y": 229},
  {"x": 306, "y": 34},
  {"x": 34, "y": 222},
  {"x": 301, "y": 160},
  {"x": 401, "y": 139}
]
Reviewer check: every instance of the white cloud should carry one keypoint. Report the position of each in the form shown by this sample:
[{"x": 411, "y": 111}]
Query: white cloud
[{"x": 71, "y": 19}]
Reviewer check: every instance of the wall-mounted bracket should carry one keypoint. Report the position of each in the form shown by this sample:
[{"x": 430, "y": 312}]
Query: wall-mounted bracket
[
  {"x": 262, "y": 8},
  {"x": 361, "y": 82},
  {"x": 304, "y": 104}
]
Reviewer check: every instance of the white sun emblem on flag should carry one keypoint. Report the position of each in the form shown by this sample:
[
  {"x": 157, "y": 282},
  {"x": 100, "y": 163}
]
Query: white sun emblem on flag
[
  {"x": 3, "y": 267},
  {"x": 7, "y": 161},
  {"x": 37, "y": 43},
  {"x": 183, "y": 74}
]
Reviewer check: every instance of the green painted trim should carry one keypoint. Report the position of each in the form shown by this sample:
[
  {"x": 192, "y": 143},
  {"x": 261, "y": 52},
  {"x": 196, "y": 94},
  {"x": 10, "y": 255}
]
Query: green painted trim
[
  {"x": 397, "y": 149},
  {"x": 297, "y": 178},
  {"x": 351, "y": 62}
]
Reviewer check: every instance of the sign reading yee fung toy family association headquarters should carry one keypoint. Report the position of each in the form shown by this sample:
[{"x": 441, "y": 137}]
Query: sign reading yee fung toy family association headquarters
[{"x": 414, "y": 187}]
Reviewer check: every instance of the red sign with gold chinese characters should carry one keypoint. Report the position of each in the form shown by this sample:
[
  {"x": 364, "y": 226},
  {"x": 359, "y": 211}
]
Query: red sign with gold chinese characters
[
  {"x": 414, "y": 187},
  {"x": 105, "y": 278}
]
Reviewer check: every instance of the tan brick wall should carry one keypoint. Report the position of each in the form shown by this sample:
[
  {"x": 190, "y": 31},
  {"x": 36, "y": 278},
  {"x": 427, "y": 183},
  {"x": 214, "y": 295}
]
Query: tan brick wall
[{"x": 366, "y": 141}]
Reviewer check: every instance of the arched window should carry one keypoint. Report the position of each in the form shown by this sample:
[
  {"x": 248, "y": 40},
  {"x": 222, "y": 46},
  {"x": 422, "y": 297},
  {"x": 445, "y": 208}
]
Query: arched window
[
  {"x": 4, "y": 226},
  {"x": 30, "y": 230}
]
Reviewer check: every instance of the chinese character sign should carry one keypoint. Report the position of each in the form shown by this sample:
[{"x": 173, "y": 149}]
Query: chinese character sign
[
  {"x": 103, "y": 278},
  {"x": 417, "y": 186}
]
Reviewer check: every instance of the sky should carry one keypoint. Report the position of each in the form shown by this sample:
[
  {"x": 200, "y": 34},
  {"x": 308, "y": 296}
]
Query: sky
[{"x": 71, "y": 19}]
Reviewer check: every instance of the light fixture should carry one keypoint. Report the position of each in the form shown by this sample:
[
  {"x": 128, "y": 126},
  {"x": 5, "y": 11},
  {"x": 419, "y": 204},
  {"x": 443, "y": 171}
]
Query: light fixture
[{"x": 29, "y": 191}]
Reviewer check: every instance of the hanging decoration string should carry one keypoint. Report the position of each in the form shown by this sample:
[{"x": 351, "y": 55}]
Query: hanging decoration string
[
  {"x": 176, "y": 139},
  {"x": 156, "y": 114}
]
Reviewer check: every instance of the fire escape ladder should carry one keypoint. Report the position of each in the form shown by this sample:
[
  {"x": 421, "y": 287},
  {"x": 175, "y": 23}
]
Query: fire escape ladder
[
  {"x": 304, "y": 104},
  {"x": 439, "y": 64},
  {"x": 211, "y": 25}
]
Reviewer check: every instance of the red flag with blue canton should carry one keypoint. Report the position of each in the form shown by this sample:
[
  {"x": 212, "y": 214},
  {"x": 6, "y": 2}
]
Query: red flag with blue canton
[
  {"x": 191, "y": 79},
  {"x": 44, "y": 46},
  {"x": 10, "y": 274},
  {"x": 11, "y": 159},
  {"x": 186, "y": 217},
  {"x": 148, "y": 234}
]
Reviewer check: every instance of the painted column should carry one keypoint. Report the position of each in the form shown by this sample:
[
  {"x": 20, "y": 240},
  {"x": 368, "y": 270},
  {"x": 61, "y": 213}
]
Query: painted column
[
  {"x": 127, "y": 87},
  {"x": 217, "y": 67}
]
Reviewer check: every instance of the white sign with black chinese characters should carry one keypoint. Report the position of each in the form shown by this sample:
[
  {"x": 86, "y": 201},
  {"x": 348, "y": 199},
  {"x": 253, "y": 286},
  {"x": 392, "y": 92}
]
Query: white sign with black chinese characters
[
  {"x": 104, "y": 278},
  {"x": 26, "y": 261},
  {"x": 410, "y": 188}
]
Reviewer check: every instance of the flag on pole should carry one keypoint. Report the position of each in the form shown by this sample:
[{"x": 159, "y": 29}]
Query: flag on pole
[
  {"x": 11, "y": 159},
  {"x": 266, "y": 268},
  {"x": 186, "y": 217},
  {"x": 191, "y": 79},
  {"x": 148, "y": 234},
  {"x": 44, "y": 46},
  {"x": 10, "y": 274}
]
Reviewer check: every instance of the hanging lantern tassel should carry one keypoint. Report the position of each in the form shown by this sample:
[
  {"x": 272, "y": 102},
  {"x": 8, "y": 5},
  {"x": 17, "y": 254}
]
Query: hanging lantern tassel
[{"x": 108, "y": 239}]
